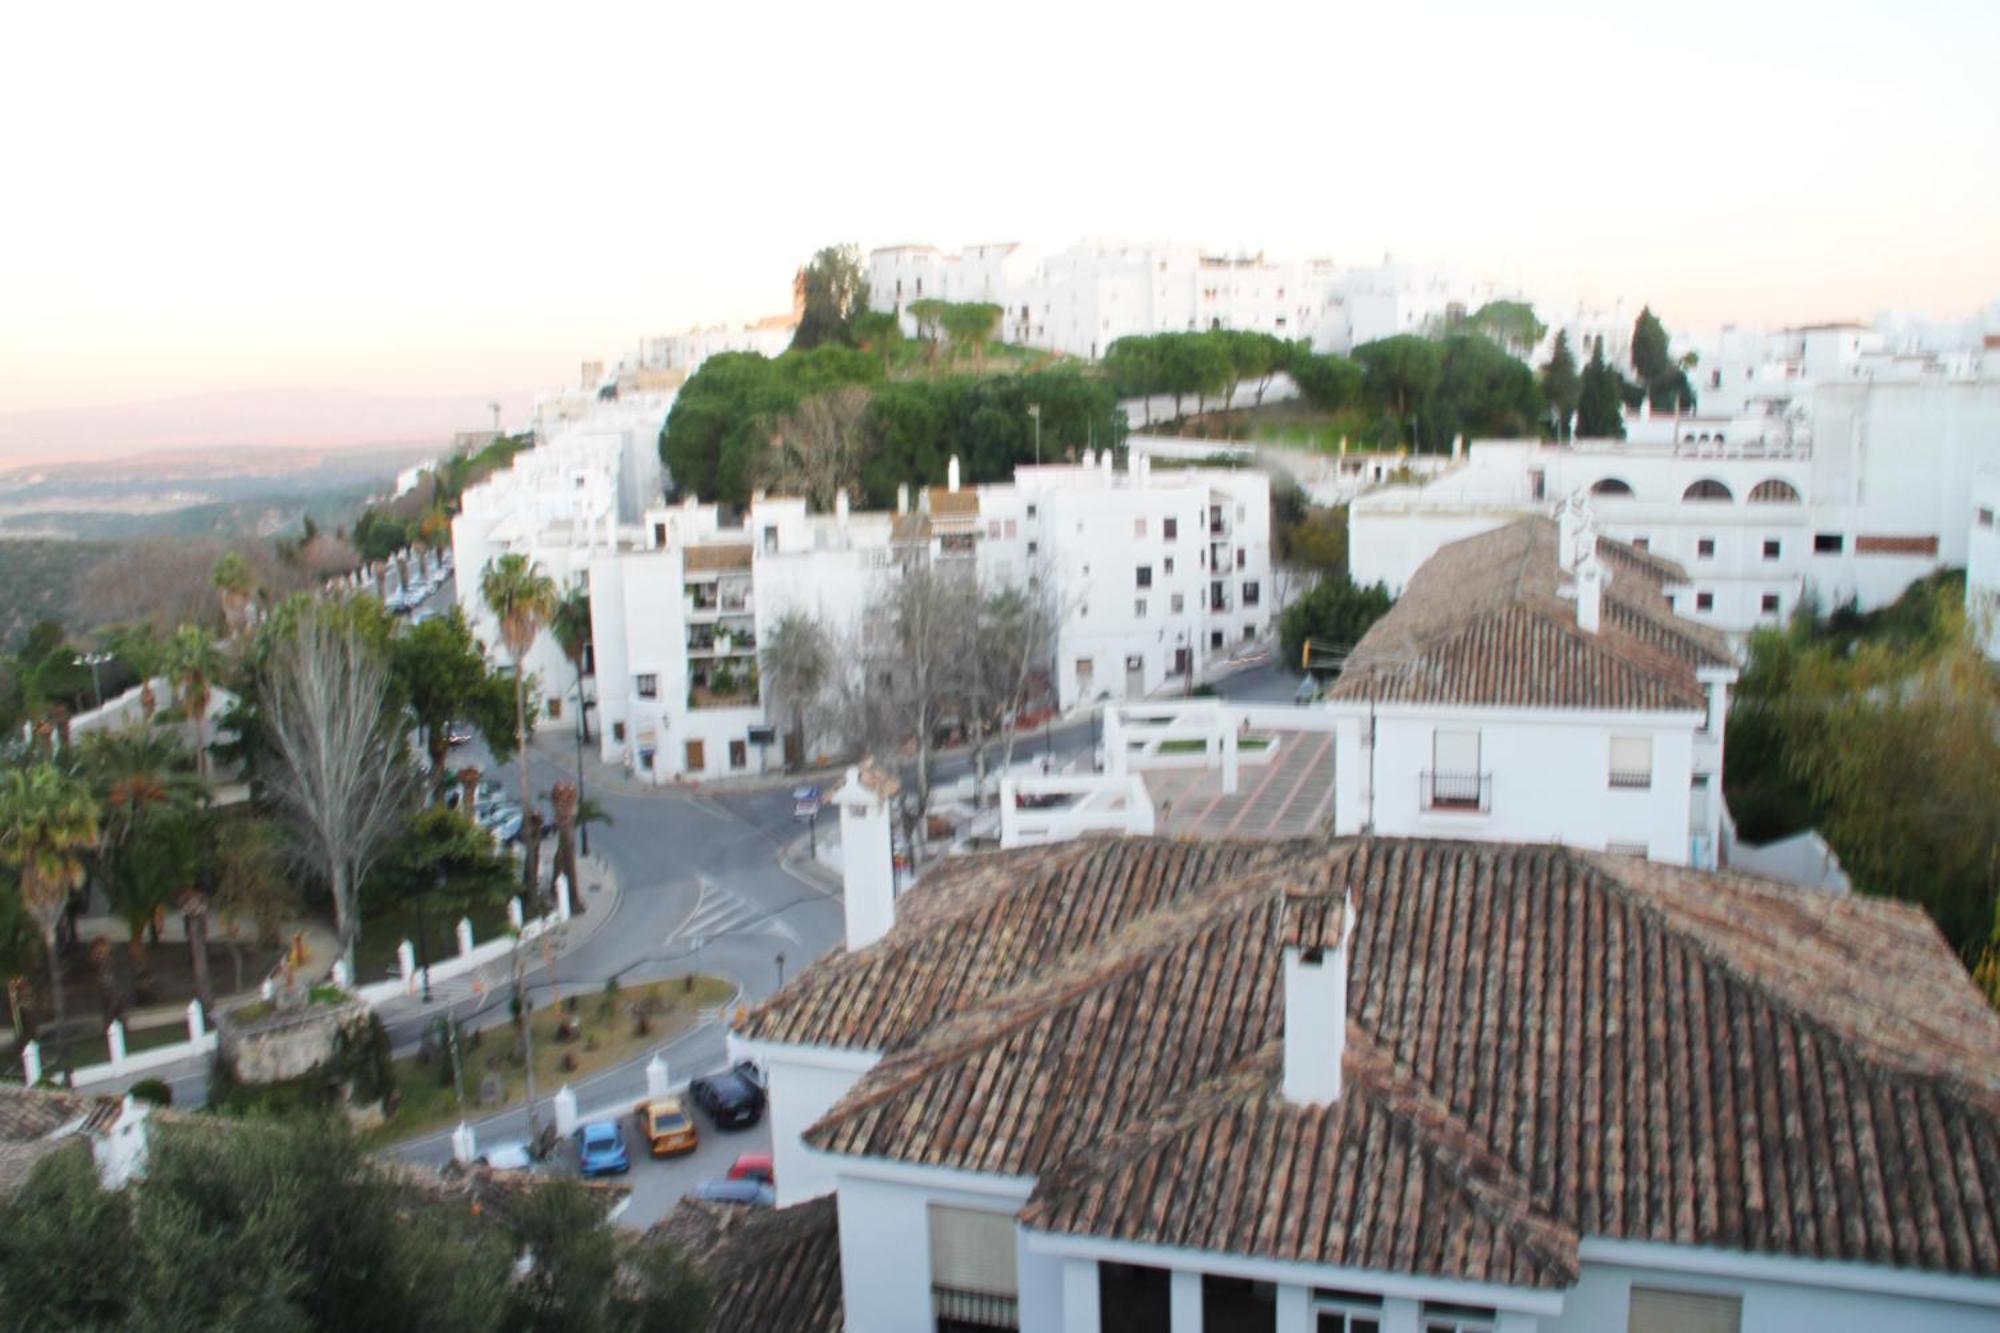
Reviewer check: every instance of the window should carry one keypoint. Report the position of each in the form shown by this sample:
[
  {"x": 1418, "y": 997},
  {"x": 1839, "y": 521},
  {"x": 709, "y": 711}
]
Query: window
[
  {"x": 659, "y": 534},
  {"x": 770, "y": 540},
  {"x": 554, "y": 707},
  {"x": 618, "y": 732},
  {"x": 1642, "y": 543},
  {"x": 1609, "y": 486},
  {"x": 1440, "y": 1318},
  {"x": 1632, "y": 762},
  {"x": 1828, "y": 543},
  {"x": 648, "y": 686},
  {"x": 1249, "y": 633},
  {"x": 1239, "y": 557},
  {"x": 1034, "y": 547},
  {"x": 1538, "y": 484},
  {"x": 992, "y": 527},
  {"x": 697, "y": 756},
  {"x": 1637, "y": 849},
  {"x": 1656, "y": 1311},
  {"x": 1133, "y": 1298},
  {"x": 1215, "y": 638},
  {"x": 1768, "y": 604},
  {"x": 1167, "y": 567},
  {"x": 1250, "y": 592},
  {"x": 973, "y": 1278},
  {"x": 1139, "y": 608},
  {"x": 1704, "y": 601},
  {"x": 1238, "y": 1305},
  {"x": 1145, "y": 576},
  {"x": 739, "y": 754},
  {"x": 1704, "y": 548},
  {"x": 1179, "y": 604},
  {"x": 1773, "y": 548},
  {"x": 1774, "y": 492},
  {"x": 1985, "y": 517},
  {"x": 1345, "y": 1312},
  {"x": 1170, "y": 529},
  {"x": 1011, "y": 528},
  {"x": 1138, "y": 527},
  {"x": 1454, "y": 782},
  {"x": 1031, "y": 513},
  {"x": 1707, "y": 489}
]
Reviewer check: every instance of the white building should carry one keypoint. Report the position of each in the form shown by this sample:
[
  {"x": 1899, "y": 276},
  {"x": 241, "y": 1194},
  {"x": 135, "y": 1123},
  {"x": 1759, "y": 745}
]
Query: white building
[
  {"x": 1533, "y": 684},
  {"x": 1082, "y": 299},
  {"x": 1154, "y": 576},
  {"x": 1852, "y": 497},
  {"x": 1982, "y": 563},
  {"x": 1378, "y": 1084}
]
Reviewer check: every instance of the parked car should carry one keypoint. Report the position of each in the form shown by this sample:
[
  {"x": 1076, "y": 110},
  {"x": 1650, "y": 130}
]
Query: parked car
[
  {"x": 733, "y": 1099},
  {"x": 749, "y": 1193},
  {"x": 754, "y": 1166},
  {"x": 457, "y": 733},
  {"x": 502, "y": 820},
  {"x": 667, "y": 1126},
  {"x": 600, "y": 1149},
  {"x": 507, "y": 1157}
]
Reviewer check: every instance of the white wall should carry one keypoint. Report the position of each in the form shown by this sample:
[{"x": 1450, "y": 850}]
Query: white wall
[
  {"x": 805, "y": 1082},
  {"x": 1549, "y": 781},
  {"x": 885, "y": 1268},
  {"x": 1982, "y": 562},
  {"x": 1600, "y": 1302}
]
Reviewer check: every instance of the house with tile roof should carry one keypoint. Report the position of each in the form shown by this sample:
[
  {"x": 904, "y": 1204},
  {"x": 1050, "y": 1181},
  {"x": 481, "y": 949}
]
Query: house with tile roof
[
  {"x": 1376, "y": 1085},
  {"x": 1534, "y": 684}
]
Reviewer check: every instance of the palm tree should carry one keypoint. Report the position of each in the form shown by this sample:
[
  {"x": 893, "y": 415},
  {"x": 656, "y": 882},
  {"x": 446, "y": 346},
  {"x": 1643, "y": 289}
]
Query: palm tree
[
  {"x": 140, "y": 649},
  {"x": 797, "y": 661},
  {"x": 236, "y": 585},
  {"x": 146, "y": 794},
  {"x": 572, "y": 812},
  {"x": 48, "y": 823},
  {"x": 523, "y": 598},
  {"x": 193, "y": 661},
  {"x": 571, "y": 628}
]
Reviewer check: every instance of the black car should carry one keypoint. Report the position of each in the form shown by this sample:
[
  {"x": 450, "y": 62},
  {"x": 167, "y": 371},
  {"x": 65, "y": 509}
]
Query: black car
[{"x": 734, "y": 1099}]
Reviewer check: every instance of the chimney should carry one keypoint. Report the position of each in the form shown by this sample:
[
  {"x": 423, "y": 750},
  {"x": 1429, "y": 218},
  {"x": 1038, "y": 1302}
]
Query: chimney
[
  {"x": 1089, "y": 457},
  {"x": 1316, "y": 999},
  {"x": 902, "y": 498},
  {"x": 868, "y": 873},
  {"x": 1590, "y": 575},
  {"x": 1106, "y": 461},
  {"x": 840, "y": 506},
  {"x": 951, "y": 475}
]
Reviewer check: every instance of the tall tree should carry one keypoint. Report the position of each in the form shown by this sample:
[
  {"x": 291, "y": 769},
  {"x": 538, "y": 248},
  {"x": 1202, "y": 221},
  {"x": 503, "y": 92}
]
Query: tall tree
[
  {"x": 194, "y": 662},
  {"x": 148, "y": 795},
  {"x": 439, "y": 671},
  {"x": 247, "y": 889},
  {"x": 1333, "y": 615},
  {"x": 140, "y": 650},
  {"x": 570, "y": 627},
  {"x": 879, "y": 332},
  {"x": 815, "y": 450},
  {"x": 1561, "y": 384},
  {"x": 48, "y": 826},
  {"x": 339, "y": 775},
  {"x": 1599, "y": 399},
  {"x": 972, "y": 324},
  {"x": 1398, "y": 376},
  {"x": 523, "y": 598},
  {"x": 236, "y": 587},
  {"x": 797, "y": 660},
  {"x": 1664, "y": 380},
  {"x": 831, "y": 290}
]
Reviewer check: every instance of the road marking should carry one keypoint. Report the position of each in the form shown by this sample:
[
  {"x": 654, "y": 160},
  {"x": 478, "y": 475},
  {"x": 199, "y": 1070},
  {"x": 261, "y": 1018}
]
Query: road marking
[{"x": 719, "y": 912}]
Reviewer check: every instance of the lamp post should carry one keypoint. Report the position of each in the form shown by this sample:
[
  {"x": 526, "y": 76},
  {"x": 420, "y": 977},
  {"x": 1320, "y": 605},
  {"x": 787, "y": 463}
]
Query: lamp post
[
  {"x": 94, "y": 661},
  {"x": 780, "y": 960},
  {"x": 582, "y": 825}
]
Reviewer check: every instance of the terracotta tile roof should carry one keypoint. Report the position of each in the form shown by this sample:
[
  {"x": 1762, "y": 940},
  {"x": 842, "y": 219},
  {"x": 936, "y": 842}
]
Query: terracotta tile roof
[
  {"x": 716, "y": 556},
  {"x": 909, "y": 529},
  {"x": 959, "y": 504},
  {"x": 766, "y": 1269},
  {"x": 1555, "y": 1043},
  {"x": 978, "y": 925},
  {"x": 1484, "y": 622}
]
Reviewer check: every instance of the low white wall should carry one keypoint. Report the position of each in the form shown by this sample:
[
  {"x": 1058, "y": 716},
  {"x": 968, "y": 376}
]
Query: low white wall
[{"x": 1106, "y": 803}]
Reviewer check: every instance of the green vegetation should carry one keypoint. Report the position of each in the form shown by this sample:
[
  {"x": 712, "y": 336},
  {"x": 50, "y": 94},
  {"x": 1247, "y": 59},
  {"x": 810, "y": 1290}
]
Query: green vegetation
[
  {"x": 269, "y": 1226},
  {"x": 1333, "y": 615},
  {"x": 1883, "y": 731}
]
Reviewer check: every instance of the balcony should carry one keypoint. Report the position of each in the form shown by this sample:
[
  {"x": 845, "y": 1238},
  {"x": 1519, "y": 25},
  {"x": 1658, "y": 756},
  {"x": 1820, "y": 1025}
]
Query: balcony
[
  {"x": 958, "y": 1308},
  {"x": 1455, "y": 793},
  {"x": 1635, "y": 779}
]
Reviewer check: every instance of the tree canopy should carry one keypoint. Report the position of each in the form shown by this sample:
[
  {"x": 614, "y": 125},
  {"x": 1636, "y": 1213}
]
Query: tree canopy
[
  {"x": 1600, "y": 399},
  {"x": 833, "y": 289},
  {"x": 1334, "y": 615}
]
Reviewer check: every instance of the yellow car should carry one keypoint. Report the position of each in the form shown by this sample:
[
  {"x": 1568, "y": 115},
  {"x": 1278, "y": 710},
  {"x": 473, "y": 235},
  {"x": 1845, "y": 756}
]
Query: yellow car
[{"x": 666, "y": 1125}]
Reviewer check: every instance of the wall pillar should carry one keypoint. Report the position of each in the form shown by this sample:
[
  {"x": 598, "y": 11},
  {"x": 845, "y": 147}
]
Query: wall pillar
[
  {"x": 114, "y": 1037},
  {"x": 31, "y": 1062},
  {"x": 464, "y": 1143},
  {"x": 1294, "y": 1309},
  {"x": 565, "y": 1110},
  {"x": 464, "y": 935},
  {"x": 656, "y": 1077},
  {"x": 1079, "y": 1285},
  {"x": 1184, "y": 1301},
  {"x": 1400, "y": 1315},
  {"x": 197, "y": 1021},
  {"x": 406, "y": 961}
]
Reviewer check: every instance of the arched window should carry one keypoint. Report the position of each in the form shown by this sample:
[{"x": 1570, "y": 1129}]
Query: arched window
[
  {"x": 1611, "y": 486},
  {"x": 1772, "y": 491},
  {"x": 1707, "y": 489}
]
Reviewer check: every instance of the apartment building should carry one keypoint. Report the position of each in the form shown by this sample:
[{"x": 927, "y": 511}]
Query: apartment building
[
  {"x": 1373, "y": 1086},
  {"x": 1982, "y": 563},
  {"x": 1533, "y": 684},
  {"x": 1853, "y": 495}
]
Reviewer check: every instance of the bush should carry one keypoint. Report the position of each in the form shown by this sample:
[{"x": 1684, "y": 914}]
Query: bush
[{"x": 152, "y": 1090}]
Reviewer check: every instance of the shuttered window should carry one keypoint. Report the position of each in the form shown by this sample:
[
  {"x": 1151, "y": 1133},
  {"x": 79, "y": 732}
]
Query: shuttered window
[
  {"x": 1456, "y": 752},
  {"x": 972, "y": 1250},
  {"x": 1657, "y": 1311},
  {"x": 1631, "y": 761}
]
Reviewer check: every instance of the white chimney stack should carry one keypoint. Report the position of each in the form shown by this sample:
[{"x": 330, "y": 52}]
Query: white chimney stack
[
  {"x": 902, "y": 498},
  {"x": 1089, "y": 457},
  {"x": 1590, "y": 576},
  {"x": 951, "y": 475},
  {"x": 1316, "y": 1010},
  {"x": 868, "y": 870},
  {"x": 840, "y": 506}
]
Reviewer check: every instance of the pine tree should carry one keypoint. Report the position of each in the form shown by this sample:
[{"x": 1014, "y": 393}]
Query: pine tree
[
  {"x": 1561, "y": 384},
  {"x": 1598, "y": 414}
]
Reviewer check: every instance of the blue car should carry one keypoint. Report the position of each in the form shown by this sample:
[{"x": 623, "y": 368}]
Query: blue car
[{"x": 600, "y": 1149}]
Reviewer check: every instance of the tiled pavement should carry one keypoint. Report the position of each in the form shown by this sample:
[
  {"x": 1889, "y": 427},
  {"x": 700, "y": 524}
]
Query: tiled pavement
[{"x": 1289, "y": 797}]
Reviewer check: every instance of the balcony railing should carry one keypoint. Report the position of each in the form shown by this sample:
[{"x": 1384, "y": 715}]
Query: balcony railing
[
  {"x": 1465, "y": 792},
  {"x": 956, "y": 1308},
  {"x": 1632, "y": 779}
]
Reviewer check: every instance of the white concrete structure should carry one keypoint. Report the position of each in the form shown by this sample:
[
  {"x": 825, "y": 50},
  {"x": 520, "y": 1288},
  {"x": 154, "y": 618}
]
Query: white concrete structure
[
  {"x": 1082, "y": 299},
  {"x": 1982, "y": 563},
  {"x": 1857, "y": 493},
  {"x": 1534, "y": 685},
  {"x": 867, "y": 854}
]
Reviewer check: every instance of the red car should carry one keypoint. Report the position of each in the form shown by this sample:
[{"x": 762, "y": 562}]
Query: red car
[{"x": 753, "y": 1166}]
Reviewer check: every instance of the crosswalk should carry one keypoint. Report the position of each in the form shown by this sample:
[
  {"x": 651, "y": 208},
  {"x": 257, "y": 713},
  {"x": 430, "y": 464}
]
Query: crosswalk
[{"x": 718, "y": 912}]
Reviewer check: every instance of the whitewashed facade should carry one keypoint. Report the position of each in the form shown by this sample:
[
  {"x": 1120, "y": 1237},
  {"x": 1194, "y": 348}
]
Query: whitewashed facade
[{"x": 1982, "y": 563}]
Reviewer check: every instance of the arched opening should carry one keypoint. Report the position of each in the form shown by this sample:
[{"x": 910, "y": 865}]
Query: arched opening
[
  {"x": 1773, "y": 491},
  {"x": 1611, "y": 486},
  {"x": 1707, "y": 489}
]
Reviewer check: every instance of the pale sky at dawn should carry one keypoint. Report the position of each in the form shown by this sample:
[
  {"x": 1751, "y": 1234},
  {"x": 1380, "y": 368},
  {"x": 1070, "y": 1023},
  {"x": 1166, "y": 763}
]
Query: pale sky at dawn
[{"x": 420, "y": 198}]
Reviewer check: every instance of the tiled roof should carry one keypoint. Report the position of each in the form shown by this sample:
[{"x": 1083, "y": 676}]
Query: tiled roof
[
  {"x": 908, "y": 529},
  {"x": 766, "y": 1269},
  {"x": 1484, "y": 621},
  {"x": 959, "y": 504},
  {"x": 975, "y": 926},
  {"x": 714, "y": 557},
  {"x": 1546, "y": 1043}
]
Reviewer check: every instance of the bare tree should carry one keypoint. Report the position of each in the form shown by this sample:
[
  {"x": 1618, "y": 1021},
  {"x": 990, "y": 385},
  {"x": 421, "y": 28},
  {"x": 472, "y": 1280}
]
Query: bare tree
[
  {"x": 798, "y": 668},
  {"x": 921, "y": 628},
  {"x": 815, "y": 449},
  {"x": 341, "y": 778}
]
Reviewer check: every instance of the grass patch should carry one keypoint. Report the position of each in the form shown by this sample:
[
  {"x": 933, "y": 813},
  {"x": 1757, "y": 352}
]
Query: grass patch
[
  {"x": 1195, "y": 745},
  {"x": 573, "y": 1039},
  {"x": 375, "y": 955},
  {"x": 96, "y": 1048}
]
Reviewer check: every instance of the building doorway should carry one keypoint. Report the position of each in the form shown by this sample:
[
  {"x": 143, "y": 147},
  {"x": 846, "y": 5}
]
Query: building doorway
[{"x": 697, "y": 757}]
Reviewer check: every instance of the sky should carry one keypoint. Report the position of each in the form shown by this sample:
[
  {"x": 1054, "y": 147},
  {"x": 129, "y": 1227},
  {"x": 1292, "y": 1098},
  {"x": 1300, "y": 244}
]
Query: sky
[{"x": 432, "y": 199}]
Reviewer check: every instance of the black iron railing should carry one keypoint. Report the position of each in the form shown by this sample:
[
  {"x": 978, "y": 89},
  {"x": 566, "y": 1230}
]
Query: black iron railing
[
  {"x": 960, "y": 1311},
  {"x": 1455, "y": 791}
]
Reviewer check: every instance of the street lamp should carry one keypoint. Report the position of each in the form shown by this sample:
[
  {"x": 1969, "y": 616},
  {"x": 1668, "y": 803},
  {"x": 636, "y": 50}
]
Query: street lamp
[
  {"x": 94, "y": 661},
  {"x": 780, "y": 960}
]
